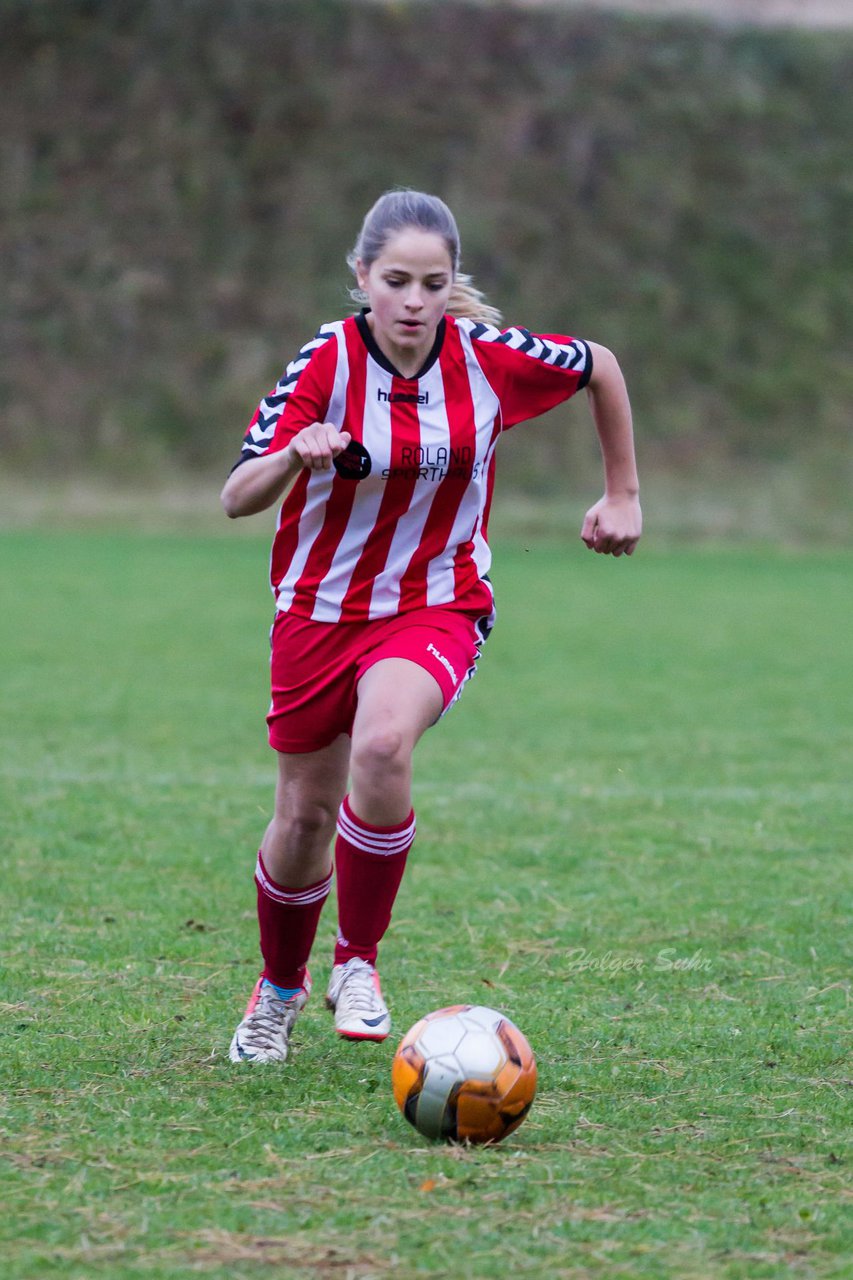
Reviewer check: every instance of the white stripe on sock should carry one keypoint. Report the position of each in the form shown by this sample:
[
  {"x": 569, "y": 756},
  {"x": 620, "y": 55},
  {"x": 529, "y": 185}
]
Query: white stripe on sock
[
  {"x": 299, "y": 897},
  {"x": 387, "y": 843}
]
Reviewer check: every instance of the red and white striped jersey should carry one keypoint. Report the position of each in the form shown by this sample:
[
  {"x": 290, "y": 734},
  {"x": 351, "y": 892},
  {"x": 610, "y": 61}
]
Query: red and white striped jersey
[{"x": 412, "y": 529}]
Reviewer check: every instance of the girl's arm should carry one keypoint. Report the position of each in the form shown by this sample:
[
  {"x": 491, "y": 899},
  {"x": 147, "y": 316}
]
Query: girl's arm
[
  {"x": 258, "y": 483},
  {"x": 613, "y": 526}
]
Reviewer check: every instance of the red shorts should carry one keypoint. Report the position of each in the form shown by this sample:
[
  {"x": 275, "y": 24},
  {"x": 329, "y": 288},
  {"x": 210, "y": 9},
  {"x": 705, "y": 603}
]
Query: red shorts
[{"x": 316, "y": 667}]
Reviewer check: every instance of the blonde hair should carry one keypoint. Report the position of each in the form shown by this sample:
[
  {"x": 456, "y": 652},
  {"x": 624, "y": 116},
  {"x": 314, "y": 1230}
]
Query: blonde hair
[
  {"x": 395, "y": 211},
  {"x": 468, "y": 303}
]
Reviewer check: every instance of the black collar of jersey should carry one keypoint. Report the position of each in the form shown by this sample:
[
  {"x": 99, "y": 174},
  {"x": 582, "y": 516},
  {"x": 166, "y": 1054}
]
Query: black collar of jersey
[{"x": 383, "y": 361}]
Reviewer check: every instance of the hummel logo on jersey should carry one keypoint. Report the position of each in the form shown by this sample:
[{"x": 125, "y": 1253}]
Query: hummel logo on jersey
[{"x": 402, "y": 397}]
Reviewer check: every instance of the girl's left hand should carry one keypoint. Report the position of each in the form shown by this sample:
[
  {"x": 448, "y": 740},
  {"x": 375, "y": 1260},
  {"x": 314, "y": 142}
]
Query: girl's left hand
[{"x": 613, "y": 526}]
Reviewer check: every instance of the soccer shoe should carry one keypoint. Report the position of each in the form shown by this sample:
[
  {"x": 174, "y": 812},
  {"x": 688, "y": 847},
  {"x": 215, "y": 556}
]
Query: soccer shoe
[
  {"x": 356, "y": 997},
  {"x": 264, "y": 1033}
]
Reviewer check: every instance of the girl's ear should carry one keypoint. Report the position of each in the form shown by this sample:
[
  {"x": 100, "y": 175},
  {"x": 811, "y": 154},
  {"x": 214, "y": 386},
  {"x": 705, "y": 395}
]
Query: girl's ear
[{"x": 360, "y": 273}]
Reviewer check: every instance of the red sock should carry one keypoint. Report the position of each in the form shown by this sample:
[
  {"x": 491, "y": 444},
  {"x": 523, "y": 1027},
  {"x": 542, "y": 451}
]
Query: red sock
[
  {"x": 288, "y": 919},
  {"x": 369, "y": 862}
]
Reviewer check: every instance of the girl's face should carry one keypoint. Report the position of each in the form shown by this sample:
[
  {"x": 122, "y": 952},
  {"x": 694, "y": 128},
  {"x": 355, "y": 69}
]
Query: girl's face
[{"x": 408, "y": 287}]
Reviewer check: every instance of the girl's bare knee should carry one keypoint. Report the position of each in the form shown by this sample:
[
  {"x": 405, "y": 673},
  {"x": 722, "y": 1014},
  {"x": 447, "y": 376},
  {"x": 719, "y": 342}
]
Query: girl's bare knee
[
  {"x": 380, "y": 752},
  {"x": 305, "y": 826}
]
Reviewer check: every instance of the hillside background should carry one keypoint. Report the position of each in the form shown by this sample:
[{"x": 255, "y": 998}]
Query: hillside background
[{"x": 181, "y": 183}]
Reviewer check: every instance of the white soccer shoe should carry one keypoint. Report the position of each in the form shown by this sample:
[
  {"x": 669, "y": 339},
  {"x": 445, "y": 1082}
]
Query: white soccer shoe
[
  {"x": 356, "y": 997},
  {"x": 264, "y": 1033}
]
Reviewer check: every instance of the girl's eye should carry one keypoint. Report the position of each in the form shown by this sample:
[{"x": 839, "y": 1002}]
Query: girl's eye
[{"x": 434, "y": 286}]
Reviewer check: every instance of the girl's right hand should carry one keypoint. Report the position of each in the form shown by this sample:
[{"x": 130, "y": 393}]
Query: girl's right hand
[{"x": 316, "y": 446}]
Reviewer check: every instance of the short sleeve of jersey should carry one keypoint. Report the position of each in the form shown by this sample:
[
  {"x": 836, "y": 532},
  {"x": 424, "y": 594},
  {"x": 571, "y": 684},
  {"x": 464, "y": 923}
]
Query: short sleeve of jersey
[
  {"x": 530, "y": 373},
  {"x": 301, "y": 396}
]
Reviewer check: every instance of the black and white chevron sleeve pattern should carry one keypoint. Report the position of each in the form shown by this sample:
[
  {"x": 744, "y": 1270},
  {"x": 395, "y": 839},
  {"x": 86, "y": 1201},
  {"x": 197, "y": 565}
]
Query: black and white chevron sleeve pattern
[
  {"x": 258, "y": 438},
  {"x": 574, "y": 355}
]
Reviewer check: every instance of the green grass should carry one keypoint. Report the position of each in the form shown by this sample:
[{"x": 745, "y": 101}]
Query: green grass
[{"x": 650, "y": 767}]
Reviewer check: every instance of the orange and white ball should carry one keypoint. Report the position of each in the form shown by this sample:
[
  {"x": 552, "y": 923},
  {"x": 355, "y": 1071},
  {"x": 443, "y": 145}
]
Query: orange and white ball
[{"x": 465, "y": 1074}]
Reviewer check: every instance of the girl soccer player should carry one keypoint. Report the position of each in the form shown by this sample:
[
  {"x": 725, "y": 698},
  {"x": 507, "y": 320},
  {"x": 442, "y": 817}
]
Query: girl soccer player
[{"x": 382, "y": 433}]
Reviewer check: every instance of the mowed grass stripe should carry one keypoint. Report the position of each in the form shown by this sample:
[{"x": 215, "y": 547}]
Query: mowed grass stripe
[{"x": 634, "y": 837}]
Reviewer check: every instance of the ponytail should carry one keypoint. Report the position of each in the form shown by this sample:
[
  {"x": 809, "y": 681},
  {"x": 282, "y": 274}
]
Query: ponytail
[{"x": 468, "y": 303}]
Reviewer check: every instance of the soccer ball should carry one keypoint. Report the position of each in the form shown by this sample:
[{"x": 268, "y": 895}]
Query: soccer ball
[{"x": 465, "y": 1073}]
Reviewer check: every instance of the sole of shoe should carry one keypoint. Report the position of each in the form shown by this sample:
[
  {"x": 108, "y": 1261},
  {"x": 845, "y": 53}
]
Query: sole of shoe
[{"x": 362, "y": 1035}]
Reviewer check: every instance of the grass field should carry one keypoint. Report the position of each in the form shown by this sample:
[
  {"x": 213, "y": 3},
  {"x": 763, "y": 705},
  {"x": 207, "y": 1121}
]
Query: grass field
[{"x": 633, "y": 839}]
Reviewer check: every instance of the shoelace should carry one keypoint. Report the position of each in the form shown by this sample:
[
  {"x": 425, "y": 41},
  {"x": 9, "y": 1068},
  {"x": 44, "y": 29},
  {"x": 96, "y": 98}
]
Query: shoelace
[
  {"x": 264, "y": 1024},
  {"x": 357, "y": 993}
]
